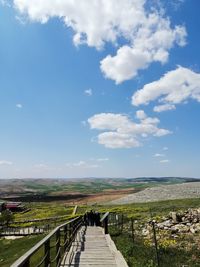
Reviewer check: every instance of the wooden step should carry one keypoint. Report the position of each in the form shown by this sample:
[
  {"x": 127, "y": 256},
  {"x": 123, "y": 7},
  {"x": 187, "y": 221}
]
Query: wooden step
[{"x": 93, "y": 250}]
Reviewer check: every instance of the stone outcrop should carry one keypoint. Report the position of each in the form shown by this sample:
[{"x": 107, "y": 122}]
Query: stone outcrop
[{"x": 178, "y": 222}]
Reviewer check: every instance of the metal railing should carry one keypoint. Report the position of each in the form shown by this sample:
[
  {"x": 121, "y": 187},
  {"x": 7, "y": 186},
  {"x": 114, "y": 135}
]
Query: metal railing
[{"x": 52, "y": 247}]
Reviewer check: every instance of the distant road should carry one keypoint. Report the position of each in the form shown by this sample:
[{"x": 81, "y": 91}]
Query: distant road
[{"x": 163, "y": 192}]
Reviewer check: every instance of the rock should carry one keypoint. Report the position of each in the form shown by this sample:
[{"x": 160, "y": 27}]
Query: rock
[
  {"x": 193, "y": 230},
  {"x": 195, "y": 220},
  {"x": 183, "y": 219},
  {"x": 168, "y": 223},
  {"x": 173, "y": 216},
  {"x": 174, "y": 236},
  {"x": 145, "y": 232},
  {"x": 181, "y": 228},
  {"x": 174, "y": 230}
]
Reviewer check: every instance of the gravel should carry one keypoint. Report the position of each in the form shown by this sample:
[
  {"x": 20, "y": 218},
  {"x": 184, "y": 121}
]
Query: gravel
[{"x": 163, "y": 192}]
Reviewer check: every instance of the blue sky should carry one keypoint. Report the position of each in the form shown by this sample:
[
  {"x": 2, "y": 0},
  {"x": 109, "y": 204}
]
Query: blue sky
[{"x": 99, "y": 89}]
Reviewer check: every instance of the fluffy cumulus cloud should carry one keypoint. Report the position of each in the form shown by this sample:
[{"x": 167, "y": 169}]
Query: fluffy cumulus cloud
[
  {"x": 93, "y": 22},
  {"x": 119, "y": 131},
  {"x": 175, "y": 87},
  {"x": 164, "y": 107},
  {"x": 148, "y": 34},
  {"x": 140, "y": 114},
  {"x": 151, "y": 42}
]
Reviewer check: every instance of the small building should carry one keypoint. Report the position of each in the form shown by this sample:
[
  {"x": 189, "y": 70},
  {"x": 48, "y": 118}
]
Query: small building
[{"x": 15, "y": 206}]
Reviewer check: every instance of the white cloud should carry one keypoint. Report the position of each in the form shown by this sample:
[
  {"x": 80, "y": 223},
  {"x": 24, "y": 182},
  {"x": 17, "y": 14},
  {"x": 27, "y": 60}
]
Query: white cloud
[
  {"x": 148, "y": 35},
  {"x": 19, "y": 105},
  {"x": 117, "y": 140},
  {"x": 164, "y": 107},
  {"x": 88, "y": 92},
  {"x": 82, "y": 164},
  {"x": 176, "y": 86},
  {"x": 165, "y": 161},
  {"x": 125, "y": 64},
  {"x": 159, "y": 155},
  {"x": 165, "y": 148},
  {"x": 161, "y": 132},
  {"x": 119, "y": 131},
  {"x": 5, "y": 3},
  {"x": 140, "y": 114},
  {"x": 103, "y": 159},
  {"x": 6, "y": 162},
  {"x": 93, "y": 22},
  {"x": 175, "y": 4},
  {"x": 151, "y": 42}
]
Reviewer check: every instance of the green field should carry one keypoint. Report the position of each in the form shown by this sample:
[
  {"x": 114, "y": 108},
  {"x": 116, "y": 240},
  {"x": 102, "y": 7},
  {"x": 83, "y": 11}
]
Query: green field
[
  {"x": 140, "y": 253},
  {"x": 41, "y": 188}
]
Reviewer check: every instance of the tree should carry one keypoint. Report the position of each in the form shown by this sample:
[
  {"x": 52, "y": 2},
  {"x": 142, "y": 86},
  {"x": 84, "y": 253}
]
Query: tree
[{"x": 6, "y": 217}]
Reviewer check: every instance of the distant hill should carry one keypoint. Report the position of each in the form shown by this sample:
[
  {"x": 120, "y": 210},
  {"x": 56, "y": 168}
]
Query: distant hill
[{"x": 55, "y": 189}]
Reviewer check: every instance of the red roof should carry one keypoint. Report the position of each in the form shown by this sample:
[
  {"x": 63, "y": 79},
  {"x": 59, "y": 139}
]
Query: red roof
[{"x": 12, "y": 205}]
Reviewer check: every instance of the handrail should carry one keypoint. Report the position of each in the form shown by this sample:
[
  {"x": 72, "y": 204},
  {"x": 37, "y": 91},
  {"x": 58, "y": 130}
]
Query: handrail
[
  {"x": 104, "y": 216},
  {"x": 75, "y": 210},
  {"x": 24, "y": 260},
  {"x": 104, "y": 222}
]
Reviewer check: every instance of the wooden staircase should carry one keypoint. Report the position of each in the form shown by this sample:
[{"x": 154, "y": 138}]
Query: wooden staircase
[{"x": 93, "y": 248}]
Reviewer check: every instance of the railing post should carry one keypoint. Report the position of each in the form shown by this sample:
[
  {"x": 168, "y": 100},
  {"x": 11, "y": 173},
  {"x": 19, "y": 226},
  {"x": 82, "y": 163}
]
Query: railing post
[
  {"x": 156, "y": 244},
  {"x": 26, "y": 263},
  {"x": 65, "y": 237},
  {"x": 122, "y": 223},
  {"x": 70, "y": 231},
  {"x": 132, "y": 230},
  {"x": 47, "y": 253},
  {"x": 58, "y": 247},
  {"x": 106, "y": 225}
]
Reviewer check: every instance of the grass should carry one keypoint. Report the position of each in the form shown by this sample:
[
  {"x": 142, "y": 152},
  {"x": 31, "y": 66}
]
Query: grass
[
  {"x": 183, "y": 252},
  {"x": 11, "y": 250},
  {"x": 137, "y": 254},
  {"x": 44, "y": 210},
  {"x": 151, "y": 209}
]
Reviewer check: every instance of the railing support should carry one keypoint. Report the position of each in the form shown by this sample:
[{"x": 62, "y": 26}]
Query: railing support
[
  {"x": 65, "y": 237},
  {"x": 156, "y": 244},
  {"x": 26, "y": 263},
  {"x": 58, "y": 247},
  {"x": 47, "y": 253},
  {"x": 104, "y": 222},
  {"x": 106, "y": 225}
]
